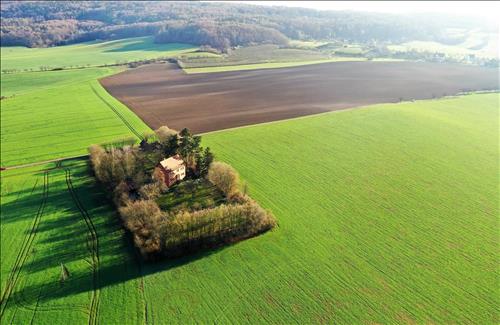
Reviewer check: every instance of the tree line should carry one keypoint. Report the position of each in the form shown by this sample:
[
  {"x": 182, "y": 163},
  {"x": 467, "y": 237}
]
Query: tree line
[
  {"x": 48, "y": 23},
  {"x": 219, "y": 36}
]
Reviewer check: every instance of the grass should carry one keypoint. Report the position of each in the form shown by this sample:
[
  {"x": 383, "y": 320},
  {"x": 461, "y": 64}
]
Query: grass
[
  {"x": 59, "y": 114},
  {"x": 485, "y": 47},
  {"x": 88, "y": 54},
  {"x": 277, "y": 65},
  {"x": 198, "y": 55},
  {"x": 306, "y": 44},
  {"x": 386, "y": 215},
  {"x": 62, "y": 236},
  {"x": 191, "y": 195},
  {"x": 269, "y": 65},
  {"x": 22, "y": 83}
]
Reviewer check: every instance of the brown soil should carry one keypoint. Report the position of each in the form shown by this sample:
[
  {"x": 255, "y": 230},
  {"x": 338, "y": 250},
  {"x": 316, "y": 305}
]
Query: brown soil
[{"x": 161, "y": 94}]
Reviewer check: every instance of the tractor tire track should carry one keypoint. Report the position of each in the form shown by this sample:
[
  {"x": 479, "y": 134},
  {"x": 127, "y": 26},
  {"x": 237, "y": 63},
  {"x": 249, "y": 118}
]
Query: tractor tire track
[
  {"x": 92, "y": 245},
  {"x": 25, "y": 249},
  {"x": 124, "y": 120},
  {"x": 22, "y": 303},
  {"x": 36, "y": 306}
]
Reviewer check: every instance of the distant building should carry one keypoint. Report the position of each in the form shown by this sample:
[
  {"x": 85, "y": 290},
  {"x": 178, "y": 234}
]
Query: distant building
[{"x": 173, "y": 168}]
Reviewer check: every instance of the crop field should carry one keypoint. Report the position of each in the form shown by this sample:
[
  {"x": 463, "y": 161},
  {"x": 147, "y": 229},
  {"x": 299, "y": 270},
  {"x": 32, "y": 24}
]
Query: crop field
[
  {"x": 53, "y": 215},
  {"x": 386, "y": 215},
  {"x": 14, "y": 84},
  {"x": 59, "y": 114},
  {"x": 260, "y": 57},
  {"x": 253, "y": 54},
  {"x": 88, "y": 54},
  {"x": 161, "y": 94},
  {"x": 394, "y": 222}
]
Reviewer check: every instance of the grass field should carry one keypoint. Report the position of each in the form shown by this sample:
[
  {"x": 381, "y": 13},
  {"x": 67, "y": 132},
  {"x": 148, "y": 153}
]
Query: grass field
[
  {"x": 268, "y": 65},
  {"x": 47, "y": 220},
  {"x": 88, "y": 54},
  {"x": 386, "y": 215},
  {"x": 25, "y": 82},
  {"x": 59, "y": 114}
]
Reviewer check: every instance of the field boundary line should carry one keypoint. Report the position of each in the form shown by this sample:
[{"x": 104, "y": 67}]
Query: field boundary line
[
  {"x": 124, "y": 120},
  {"x": 342, "y": 110}
]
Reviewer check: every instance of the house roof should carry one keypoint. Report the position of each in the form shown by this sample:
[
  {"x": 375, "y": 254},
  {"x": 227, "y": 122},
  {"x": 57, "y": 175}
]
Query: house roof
[{"x": 172, "y": 163}]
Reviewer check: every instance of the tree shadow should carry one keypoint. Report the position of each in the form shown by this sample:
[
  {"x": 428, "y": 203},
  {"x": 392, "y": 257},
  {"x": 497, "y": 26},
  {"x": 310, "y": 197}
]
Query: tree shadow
[
  {"x": 109, "y": 274},
  {"x": 61, "y": 238}
]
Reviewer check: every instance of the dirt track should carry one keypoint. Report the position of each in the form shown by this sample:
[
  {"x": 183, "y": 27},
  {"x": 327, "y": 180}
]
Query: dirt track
[{"x": 161, "y": 94}]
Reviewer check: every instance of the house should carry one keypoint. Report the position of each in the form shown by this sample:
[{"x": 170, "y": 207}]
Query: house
[{"x": 173, "y": 169}]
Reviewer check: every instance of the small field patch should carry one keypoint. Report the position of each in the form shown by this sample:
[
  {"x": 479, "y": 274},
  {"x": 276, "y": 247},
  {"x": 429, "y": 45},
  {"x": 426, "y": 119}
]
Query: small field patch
[{"x": 191, "y": 195}]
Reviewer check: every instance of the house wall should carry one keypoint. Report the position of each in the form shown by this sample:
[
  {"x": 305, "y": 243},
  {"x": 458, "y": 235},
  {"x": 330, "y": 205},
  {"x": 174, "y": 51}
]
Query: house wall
[{"x": 172, "y": 176}]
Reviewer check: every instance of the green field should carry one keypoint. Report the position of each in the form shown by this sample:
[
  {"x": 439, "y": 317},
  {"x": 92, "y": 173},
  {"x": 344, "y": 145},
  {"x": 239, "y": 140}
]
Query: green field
[
  {"x": 487, "y": 50},
  {"x": 88, "y": 54},
  {"x": 14, "y": 84},
  {"x": 386, "y": 215},
  {"x": 44, "y": 226},
  {"x": 268, "y": 65},
  {"x": 59, "y": 114}
]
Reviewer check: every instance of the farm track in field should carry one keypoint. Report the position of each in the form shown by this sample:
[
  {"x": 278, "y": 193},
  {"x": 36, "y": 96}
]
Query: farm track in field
[
  {"x": 93, "y": 247},
  {"x": 25, "y": 249},
  {"x": 124, "y": 120}
]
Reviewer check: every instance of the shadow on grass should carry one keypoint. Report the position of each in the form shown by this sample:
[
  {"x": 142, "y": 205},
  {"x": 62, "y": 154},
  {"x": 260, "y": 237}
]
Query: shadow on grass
[{"x": 63, "y": 237}]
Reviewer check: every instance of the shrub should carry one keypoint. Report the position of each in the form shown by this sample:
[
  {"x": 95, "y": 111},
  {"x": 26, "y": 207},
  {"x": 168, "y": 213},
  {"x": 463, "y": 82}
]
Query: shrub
[
  {"x": 150, "y": 191},
  {"x": 121, "y": 194},
  {"x": 143, "y": 219},
  {"x": 224, "y": 177},
  {"x": 164, "y": 132},
  {"x": 117, "y": 165}
]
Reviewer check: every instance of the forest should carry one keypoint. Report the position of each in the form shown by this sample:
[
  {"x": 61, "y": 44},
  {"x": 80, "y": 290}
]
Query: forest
[{"x": 219, "y": 25}]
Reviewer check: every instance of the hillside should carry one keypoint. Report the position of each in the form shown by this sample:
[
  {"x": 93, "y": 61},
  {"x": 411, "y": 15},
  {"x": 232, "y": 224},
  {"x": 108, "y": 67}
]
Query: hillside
[{"x": 220, "y": 25}]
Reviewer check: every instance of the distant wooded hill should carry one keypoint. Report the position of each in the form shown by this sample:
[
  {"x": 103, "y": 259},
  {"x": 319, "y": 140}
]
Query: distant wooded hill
[{"x": 219, "y": 25}]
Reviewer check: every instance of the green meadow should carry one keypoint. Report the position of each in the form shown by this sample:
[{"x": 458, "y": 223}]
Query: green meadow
[
  {"x": 88, "y": 54},
  {"x": 15, "y": 84},
  {"x": 59, "y": 114},
  {"x": 387, "y": 214},
  {"x": 53, "y": 215}
]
